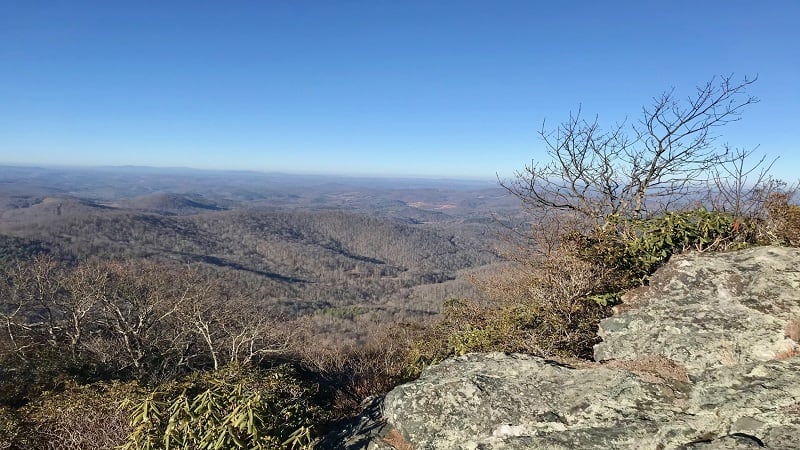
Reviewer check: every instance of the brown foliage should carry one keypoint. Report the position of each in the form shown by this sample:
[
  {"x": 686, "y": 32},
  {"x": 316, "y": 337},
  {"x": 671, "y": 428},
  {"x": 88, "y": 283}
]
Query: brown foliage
[
  {"x": 550, "y": 305},
  {"x": 396, "y": 440},
  {"x": 11, "y": 428},
  {"x": 787, "y": 354},
  {"x": 357, "y": 372},
  {"x": 784, "y": 219},
  {"x": 79, "y": 417},
  {"x": 543, "y": 309}
]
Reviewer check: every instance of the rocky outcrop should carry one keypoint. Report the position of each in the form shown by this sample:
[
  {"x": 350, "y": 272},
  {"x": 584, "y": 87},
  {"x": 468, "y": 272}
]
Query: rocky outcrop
[
  {"x": 706, "y": 311},
  {"x": 521, "y": 402},
  {"x": 704, "y": 357}
]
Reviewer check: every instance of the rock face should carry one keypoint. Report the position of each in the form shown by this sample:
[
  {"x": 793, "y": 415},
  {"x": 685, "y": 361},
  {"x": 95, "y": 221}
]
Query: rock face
[
  {"x": 706, "y": 311},
  {"x": 518, "y": 402},
  {"x": 701, "y": 359}
]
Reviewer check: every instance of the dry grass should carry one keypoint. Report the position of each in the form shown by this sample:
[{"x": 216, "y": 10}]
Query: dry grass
[
  {"x": 356, "y": 372},
  {"x": 80, "y": 417},
  {"x": 545, "y": 301},
  {"x": 397, "y": 441},
  {"x": 784, "y": 219},
  {"x": 547, "y": 305}
]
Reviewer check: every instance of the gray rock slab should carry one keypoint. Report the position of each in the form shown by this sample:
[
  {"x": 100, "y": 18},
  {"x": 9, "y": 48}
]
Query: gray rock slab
[
  {"x": 700, "y": 359},
  {"x": 497, "y": 401},
  {"x": 706, "y": 310}
]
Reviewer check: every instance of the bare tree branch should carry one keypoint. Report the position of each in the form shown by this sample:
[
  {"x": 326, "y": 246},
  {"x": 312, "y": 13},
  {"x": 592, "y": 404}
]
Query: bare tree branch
[{"x": 625, "y": 170}]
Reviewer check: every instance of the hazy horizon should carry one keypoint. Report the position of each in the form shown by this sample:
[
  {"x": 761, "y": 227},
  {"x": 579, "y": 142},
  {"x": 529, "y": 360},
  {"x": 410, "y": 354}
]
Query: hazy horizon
[{"x": 299, "y": 174}]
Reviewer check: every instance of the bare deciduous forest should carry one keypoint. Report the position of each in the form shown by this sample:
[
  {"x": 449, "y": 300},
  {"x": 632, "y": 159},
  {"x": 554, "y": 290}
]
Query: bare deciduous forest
[{"x": 345, "y": 254}]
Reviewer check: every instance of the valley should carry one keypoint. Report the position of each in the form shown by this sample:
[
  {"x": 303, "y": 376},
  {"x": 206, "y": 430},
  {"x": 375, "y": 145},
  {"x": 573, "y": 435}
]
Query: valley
[{"x": 348, "y": 254}]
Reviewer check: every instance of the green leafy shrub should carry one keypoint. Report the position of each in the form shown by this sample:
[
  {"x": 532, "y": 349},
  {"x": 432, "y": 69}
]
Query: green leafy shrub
[
  {"x": 450, "y": 336},
  {"x": 23, "y": 379},
  {"x": 235, "y": 407},
  {"x": 636, "y": 247}
]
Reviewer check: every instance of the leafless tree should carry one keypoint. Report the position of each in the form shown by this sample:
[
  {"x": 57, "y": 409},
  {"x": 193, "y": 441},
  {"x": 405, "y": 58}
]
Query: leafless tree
[
  {"x": 142, "y": 318},
  {"x": 232, "y": 329},
  {"x": 28, "y": 298},
  {"x": 742, "y": 184},
  {"x": 595, "y": 172}
]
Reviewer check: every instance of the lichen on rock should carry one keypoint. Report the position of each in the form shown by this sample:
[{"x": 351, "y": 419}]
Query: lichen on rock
[{"x": 702, "y": 358}]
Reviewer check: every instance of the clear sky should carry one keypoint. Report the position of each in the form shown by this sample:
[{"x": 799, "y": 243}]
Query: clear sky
[{"x": 372, "y": 87}]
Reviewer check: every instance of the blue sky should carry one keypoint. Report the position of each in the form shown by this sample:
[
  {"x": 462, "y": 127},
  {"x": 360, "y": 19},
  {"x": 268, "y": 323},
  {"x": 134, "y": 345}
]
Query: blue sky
[{"x": 372, "y": 87}]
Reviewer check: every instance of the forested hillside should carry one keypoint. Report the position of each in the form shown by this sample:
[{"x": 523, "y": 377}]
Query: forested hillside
[
  {"x": 280, "y": 289},
  {"x": 392, "y": 257}
]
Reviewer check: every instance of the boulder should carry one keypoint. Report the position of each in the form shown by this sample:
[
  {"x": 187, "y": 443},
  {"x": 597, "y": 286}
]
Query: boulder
[
  {"x": 498, "y": 401},
  {"x": 709, "y": 310},
  {"x": 702, "y": 358}
]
